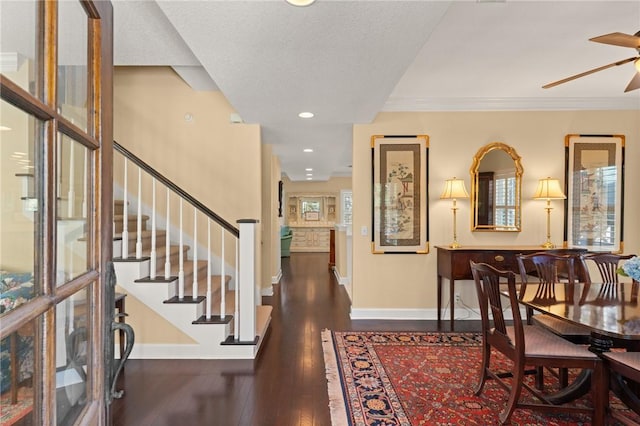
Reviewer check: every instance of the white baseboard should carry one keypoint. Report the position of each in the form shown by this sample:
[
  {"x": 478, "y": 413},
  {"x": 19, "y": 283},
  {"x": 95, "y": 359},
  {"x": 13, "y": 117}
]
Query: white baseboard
[
  {"x": 341, "y": 280},
  {"x": 276, "y": 279}
]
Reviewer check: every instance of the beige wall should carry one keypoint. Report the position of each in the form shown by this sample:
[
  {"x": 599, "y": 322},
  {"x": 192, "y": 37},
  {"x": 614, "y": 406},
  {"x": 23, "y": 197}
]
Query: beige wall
[
  {"x": 206, "y": 155},
  {"x": 341, "y": 251},
  {"x": 217, "y": 162},
  {"x": 270, "y": 246},
  {"x": 406, "y": 282}
]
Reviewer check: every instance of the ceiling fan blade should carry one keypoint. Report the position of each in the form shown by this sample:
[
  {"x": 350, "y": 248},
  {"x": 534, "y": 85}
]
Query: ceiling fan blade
[
  {"x": 582, "y": 74},
  {"x": 618, "y": 39},
  {"x": 634, "y": 83}
]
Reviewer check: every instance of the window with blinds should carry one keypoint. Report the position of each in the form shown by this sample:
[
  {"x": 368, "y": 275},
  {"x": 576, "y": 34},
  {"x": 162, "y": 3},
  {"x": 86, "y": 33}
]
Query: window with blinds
[{"x": 505, "y": 199}]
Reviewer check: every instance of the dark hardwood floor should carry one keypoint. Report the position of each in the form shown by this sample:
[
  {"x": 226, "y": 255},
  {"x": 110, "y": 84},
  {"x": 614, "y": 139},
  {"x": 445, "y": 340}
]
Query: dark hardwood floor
[{"x": 285, "y": 386}]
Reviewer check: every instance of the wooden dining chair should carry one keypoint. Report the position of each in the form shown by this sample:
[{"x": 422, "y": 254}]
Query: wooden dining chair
[
  {"x": 624, "y": 367},
  {"x": 547, "y": 268},
  {"x": 610, "y": 291},
  {"x": 527, "y": 345}
]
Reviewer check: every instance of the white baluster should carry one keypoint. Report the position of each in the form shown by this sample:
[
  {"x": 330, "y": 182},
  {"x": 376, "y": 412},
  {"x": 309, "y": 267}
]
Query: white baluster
[
  {"x": 139, "y": 222},
  {"x": 167, "y": 260},
  {"x": 223, "y": 280},
  {"x": 71, "y": 195},
  {"x": 236, "y": 317},
  {"x": 153, "y": 262},
  {"x": 208, "y": 302},
  {"x": 125, "y": 216},
  {"x": 85, "y": 184},
  {"x": 181, "y": 265},
  {"x": 194, "y": 291}
]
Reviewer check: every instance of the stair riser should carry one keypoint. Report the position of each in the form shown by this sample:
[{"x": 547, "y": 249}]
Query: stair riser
[
  {"x": 188, "y": 284},
  {"x": 118, "y": 207},
  {"x": 132, "y": 224},
  {"x": 161, "y": 240}
]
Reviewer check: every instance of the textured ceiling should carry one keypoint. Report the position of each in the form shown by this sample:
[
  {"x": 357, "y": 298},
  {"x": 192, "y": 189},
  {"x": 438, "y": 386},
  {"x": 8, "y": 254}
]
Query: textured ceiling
[{"x": 348, "y": 60}]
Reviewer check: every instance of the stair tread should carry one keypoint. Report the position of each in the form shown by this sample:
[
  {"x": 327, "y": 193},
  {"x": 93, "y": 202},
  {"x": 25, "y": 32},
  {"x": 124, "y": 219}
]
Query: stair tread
[
  {"x": 144, "y": 233},
  {"x": 145, "y": 237},
  {"x": 130, "y": 217}
]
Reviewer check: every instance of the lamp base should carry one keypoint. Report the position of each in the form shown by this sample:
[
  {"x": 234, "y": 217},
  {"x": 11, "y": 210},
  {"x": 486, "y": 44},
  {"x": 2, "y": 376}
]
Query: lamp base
[
  {"x": 548, "y": 245},
  {"x": 454, "y": 244}
]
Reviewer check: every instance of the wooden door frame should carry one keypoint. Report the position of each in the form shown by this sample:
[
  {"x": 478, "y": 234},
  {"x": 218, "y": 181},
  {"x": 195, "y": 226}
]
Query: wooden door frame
[{"x": 98, "y": 138}]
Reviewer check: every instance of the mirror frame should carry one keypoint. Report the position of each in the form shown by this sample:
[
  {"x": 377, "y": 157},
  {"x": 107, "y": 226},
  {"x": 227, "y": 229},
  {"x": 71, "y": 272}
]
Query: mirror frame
[{"x": 475, "y": 166}]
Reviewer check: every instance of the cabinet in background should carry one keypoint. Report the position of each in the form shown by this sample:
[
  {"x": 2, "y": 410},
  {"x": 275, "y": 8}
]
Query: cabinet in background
[{"x": 310, "y": 239}]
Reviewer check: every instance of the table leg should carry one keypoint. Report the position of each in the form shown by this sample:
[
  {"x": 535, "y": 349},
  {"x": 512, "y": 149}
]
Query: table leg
[
  {"x": 439, "y": 297},
  {"x": 451, "y": 303}
]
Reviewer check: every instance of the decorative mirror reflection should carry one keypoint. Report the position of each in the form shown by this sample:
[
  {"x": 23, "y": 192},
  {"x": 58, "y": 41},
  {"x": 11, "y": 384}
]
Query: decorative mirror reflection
[{"x": 496, "y": 178}]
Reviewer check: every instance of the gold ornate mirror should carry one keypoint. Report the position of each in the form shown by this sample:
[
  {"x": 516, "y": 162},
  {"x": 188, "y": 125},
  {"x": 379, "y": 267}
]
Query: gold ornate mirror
[{"x": 496, "y": 178}]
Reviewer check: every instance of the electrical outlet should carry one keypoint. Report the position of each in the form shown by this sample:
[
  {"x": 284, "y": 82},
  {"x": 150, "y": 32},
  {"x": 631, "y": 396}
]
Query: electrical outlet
[{"x": 457, "y": 298}]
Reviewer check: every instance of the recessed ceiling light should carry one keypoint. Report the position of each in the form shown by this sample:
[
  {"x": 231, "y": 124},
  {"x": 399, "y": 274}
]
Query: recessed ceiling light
[
  {"x": 309, "y": 174},
  {"x": 305, "y": 114},
  {"x": 309, "y": 178},
  {"x": 308, "y": 169},
  {"x": 300, "y": 3},
  {"x": 308, "y": 150}
]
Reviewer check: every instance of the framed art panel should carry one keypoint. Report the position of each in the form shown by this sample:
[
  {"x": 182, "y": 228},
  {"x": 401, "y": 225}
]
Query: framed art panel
[
  {"x": 399, "y": 194},
  {"x": 594, "y": 184}
]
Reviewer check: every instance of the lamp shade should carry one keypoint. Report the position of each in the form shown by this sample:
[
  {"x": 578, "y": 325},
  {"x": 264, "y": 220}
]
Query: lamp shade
[
  {"x": 549, "y": 189},
  {"x": 454, "y": 188}
]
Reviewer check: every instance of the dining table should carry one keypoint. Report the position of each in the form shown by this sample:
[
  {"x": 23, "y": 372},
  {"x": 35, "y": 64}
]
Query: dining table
[{"x": 611, "y": 314}]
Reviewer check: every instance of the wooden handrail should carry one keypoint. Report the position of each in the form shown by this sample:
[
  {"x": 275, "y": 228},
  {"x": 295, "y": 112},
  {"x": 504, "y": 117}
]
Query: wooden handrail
[{"x": 175, "y": 188}]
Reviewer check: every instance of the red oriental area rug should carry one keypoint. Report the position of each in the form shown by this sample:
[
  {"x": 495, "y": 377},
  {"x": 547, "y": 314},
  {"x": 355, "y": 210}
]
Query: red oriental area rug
[{"x": 412, "y": 379}]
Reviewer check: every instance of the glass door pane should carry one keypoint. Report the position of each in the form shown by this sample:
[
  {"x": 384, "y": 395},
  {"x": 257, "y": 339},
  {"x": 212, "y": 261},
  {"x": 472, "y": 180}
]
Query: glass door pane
[
  {"x": 18, "y": 206},
  {"x": 73, "y": 181},
  {"x": 72, "y": 367},
  {"x": 72, "y": 62},
  {"x": 18, "y": 56}
]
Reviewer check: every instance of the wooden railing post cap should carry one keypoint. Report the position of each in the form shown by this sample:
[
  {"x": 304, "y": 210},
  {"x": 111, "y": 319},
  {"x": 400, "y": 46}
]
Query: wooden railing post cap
[{"x": 247, "y": 221}]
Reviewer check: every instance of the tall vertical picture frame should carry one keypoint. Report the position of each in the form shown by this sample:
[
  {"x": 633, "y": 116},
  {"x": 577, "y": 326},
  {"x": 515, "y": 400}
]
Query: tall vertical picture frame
[
  {"x": 594, "y": 184},
  {"x": 400, "y": 215}
]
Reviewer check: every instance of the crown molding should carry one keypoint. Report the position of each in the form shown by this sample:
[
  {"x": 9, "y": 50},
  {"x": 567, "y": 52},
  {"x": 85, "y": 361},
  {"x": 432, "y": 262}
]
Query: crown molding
[{"x": 396, "y": 104}]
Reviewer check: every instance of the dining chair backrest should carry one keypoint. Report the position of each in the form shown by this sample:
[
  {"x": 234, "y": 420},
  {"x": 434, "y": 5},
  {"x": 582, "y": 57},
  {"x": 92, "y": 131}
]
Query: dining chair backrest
[
  {"x": 488, "y": 281},
  {"x": 606, "y": 263},
  {"x": 610, "y": 291},
  {"x": 547, "y": 268}
]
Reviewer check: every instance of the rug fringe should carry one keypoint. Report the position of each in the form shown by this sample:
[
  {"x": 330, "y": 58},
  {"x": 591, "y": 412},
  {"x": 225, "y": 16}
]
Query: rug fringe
[{"x": 334, "y": 387}]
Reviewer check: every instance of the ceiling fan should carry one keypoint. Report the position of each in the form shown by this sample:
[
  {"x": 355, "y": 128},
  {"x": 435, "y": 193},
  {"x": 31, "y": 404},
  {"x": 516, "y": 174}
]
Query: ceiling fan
[{"x": 616, "y": 39}]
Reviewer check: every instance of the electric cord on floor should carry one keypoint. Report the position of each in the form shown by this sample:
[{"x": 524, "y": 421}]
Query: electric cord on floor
[{"x": 468, "y": 309}]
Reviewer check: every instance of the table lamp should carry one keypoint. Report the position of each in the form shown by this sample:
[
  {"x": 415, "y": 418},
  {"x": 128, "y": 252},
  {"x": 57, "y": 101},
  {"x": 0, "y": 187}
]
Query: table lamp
[
  {"x": 454, "y": 189},
  {"x": 549, "y": 189}
]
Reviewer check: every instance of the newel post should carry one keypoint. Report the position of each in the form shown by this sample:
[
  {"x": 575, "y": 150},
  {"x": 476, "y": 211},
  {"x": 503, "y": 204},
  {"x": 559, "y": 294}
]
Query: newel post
[{"x": 247, "y": 279}]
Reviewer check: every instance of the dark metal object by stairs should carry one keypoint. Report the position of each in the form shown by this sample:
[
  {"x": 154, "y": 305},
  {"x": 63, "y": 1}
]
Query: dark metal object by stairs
[{"x": 113, "y": 367}]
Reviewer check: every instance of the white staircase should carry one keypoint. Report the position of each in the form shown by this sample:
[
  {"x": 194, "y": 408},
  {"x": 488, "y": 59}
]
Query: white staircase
[{"x": 223, "y": 319}]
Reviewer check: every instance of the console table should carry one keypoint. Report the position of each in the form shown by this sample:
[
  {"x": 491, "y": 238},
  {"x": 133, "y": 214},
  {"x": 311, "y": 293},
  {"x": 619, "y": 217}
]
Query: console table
[{"x": 453, "y": 264}]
